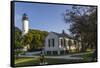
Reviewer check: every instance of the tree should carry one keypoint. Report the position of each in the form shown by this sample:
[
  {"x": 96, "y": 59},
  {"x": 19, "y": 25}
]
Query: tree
[
  {"x": 34, "y": 38},
  {"x": 38, "y": 38},
  {"x": 83, "y": 22},
  {"x": 26, "y": 40},
  {"x": 17, "y": 38}
]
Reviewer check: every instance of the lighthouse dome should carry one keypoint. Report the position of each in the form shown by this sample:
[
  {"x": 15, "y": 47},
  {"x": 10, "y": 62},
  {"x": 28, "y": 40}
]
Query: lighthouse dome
[{"x": 25, "y": 17}]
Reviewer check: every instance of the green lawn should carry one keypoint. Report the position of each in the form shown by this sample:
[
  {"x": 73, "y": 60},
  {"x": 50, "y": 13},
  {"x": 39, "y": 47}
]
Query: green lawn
[
  {"x": 86, "y": 57},
  {"x": 35, "y": 61},
  {"x": 27, "y": 61}
]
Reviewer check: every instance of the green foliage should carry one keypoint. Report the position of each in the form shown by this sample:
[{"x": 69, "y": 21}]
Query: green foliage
[
  {"x": 34, "y": 38},
  {"x": 37, "y": 38},
  {"x": 83, "y": 23},
  {"x": 17, "y": 38},
  {"x": 17, "y": 52}
]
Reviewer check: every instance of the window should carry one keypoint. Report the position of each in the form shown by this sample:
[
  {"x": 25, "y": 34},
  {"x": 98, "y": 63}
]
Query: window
[
  {"x": 61, "y": 42},
  {"x": 49, "y": 42},
  {"x": 53, "y": 42},
  {"x": 64, "y": 42}
]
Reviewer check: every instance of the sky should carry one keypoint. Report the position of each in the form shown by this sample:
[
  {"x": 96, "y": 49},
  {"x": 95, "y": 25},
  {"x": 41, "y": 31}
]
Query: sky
[{"x": 45, "y": 17}]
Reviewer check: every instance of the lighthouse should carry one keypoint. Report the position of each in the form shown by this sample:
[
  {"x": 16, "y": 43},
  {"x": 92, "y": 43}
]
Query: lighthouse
[{"x": 25, "y": 23}]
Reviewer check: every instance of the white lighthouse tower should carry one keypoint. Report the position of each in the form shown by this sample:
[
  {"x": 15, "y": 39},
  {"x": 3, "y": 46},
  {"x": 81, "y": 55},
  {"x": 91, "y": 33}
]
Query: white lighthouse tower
[{"x": 25, "y": 23}]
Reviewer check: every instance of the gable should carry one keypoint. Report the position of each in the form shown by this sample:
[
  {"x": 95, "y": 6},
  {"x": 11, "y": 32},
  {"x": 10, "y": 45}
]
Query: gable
[{"x": 51, "y": 35}]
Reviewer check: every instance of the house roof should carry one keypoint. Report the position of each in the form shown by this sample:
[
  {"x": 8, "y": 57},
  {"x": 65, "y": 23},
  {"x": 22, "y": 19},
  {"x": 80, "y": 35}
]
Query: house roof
[{"x": 62, "y": 35}]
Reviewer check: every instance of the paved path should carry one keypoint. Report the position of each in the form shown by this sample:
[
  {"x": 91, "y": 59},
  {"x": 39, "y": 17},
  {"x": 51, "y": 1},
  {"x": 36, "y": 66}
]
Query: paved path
[
  {"x": 57, "y": 57},
  {"x": 60, "y": 57},
  {"x": 64, "y": 57}
]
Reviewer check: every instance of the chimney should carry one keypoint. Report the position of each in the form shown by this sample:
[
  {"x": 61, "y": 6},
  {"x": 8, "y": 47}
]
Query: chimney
[{"x": 63, "y": 32}]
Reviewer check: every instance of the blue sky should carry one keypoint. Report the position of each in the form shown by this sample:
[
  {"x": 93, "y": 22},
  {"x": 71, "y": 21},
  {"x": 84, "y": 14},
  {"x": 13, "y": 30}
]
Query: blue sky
[{"x": 46, "y": 17}]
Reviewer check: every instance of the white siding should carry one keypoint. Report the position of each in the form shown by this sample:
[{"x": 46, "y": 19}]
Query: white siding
[
  {"x": 51, "y": 48},
  {"x": 57, "y": 43}
]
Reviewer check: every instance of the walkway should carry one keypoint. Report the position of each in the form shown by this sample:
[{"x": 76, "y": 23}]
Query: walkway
[{"x": 60, "y": 57}]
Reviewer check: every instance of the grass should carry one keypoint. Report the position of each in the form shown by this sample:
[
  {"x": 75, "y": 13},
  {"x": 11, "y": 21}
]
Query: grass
[
  {"x": 61, "y": 61},
  {"x": 35, "y": 61},
  {"x": 24, "y": 61},
  {"x": 86, "y": 57}
]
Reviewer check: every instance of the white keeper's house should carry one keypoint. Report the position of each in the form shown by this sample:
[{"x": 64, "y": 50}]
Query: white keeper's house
[{"x": 56, "y": 43}]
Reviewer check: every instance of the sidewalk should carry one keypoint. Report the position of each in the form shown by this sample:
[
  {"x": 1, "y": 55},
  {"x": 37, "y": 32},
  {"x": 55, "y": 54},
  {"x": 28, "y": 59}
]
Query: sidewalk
[{"x": 60, "y": 57}]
